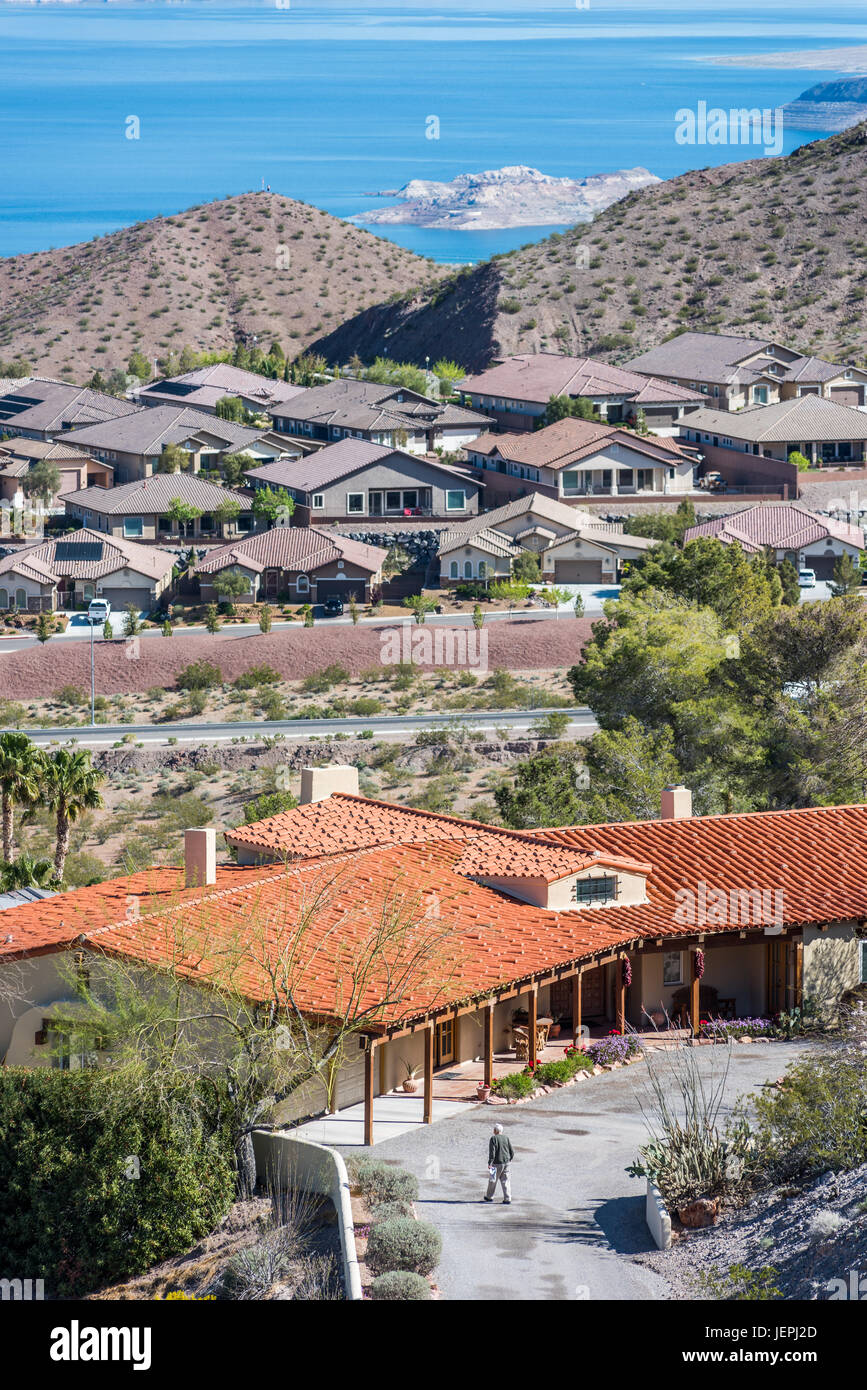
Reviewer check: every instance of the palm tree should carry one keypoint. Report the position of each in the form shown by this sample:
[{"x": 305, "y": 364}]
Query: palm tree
[
  {"x": 19, "y": 781},
  {"x": 25, "y": 872},
  {"x": 70, "y": 785}
]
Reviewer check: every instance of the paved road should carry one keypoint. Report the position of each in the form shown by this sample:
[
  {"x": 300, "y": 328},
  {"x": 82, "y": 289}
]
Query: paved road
[
  {"x": 582, "y": 725},
  {"x": 576, "y": 1216}
]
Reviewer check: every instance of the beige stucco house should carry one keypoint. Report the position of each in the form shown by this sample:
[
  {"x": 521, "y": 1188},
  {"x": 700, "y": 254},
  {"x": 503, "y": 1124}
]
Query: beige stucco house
[{"x": 70, "y": 571}]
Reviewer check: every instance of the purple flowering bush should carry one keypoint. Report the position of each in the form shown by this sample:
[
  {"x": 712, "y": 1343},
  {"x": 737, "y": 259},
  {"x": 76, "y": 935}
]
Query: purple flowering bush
[
  {"x": 736, "y": 1027},
  {"x": 615, "y": 1048}
]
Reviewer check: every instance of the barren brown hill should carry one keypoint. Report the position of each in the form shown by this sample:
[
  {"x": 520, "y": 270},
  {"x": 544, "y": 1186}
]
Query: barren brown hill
[
  {"x": 208, "y": 277},
  {"x": 774, "y": 247}
]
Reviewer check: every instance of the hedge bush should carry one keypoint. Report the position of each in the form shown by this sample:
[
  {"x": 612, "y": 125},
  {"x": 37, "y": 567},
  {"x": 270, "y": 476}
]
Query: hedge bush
[
  {"x": 399, "y": 1284},
  {"x": 386, "y": 1211},
  {"x": 403, "y": 1244},
  {"x": 380, "y": 1182},
  {"x": 98, "y": 1185},
  {"x": 515, "y": 1085}
]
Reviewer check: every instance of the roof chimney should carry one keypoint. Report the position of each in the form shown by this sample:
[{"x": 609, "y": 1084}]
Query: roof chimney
[
  {"x": 319, "y": 782},
  {"x": 200, "y": 858},
  {"x": 676, "y": 803}
]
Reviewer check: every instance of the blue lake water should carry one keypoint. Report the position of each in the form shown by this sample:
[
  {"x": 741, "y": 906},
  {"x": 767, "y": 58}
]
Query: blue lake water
[{"x": 328, "y": 101}]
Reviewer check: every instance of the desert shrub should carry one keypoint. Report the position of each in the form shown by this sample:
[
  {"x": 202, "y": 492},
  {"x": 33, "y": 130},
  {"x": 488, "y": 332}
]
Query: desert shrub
[
  {"x": 199, "y": 675},
  {"x": 72, "y": 1210},
  {"x": 320, "y": 1280},
  {"x": 515, "y": 1085},
  {"x": 323, "y": 680},
  {"x": 399, "y": 1285},
  {"x": 70, "y": 695},
  {"x": 268, "y": 804},
  {"x": 403, "y": 1244},
  {"x": 364, "y": 705},
  {"x": 382, "y": 1182},
  {"x": 387, "y": 1211},
  {"x": 256, "y": 675},
  {"x": 617, "y": 1047},
  {"x": 198, "y": 701}
]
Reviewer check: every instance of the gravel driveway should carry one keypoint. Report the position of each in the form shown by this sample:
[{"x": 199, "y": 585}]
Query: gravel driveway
[{"x": 577, "y": 1217}]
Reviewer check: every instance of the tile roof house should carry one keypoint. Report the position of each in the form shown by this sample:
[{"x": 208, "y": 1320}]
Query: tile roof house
[
  {"x": 140, "y": 511},
  {"x": 69, "y": 571},
  {"x": 573, "y": 545},
  {"x": 828, "y": 434},
  {"x": 382, "y": 414},
  {"x": 791, "y": 531},
  {"x": 516, "y": 391},
  {"x": 76, "y": 467},
  {"x": 43, "y": 409},
  {"x": 203, "y": 387},
  {"x": 356, "y": 478},
  {"x": 736, "y": 915},
  {"x": 740, "y": 371},
  {"x": 298, "y": 564},
  {"x": 575, "y": 458},
  {"x": 134, "y": 443}
]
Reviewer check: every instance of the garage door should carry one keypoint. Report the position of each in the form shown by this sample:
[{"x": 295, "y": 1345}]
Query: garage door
[
  {"x": 846, "y": 395},
  {"x": 119, "y": 598},
  {"x": 822, "y": 565},
  {"x": 341, "y": 587},
  {"x": 577, "y": 571}
]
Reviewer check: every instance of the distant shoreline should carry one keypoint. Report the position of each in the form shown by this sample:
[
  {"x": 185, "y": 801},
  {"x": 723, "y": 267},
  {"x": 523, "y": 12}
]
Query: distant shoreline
[{"x": 852, "y": 60}]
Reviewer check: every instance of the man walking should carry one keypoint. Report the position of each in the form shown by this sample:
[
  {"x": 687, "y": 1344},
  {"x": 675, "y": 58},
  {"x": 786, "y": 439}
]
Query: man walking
[{"x": 500, "y": 1155}]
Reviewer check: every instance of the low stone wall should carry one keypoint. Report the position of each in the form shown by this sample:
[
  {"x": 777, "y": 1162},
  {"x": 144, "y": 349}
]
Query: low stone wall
[
  {"x": 286, "y": 1161},
  {"x": 658, "y": 1218}
]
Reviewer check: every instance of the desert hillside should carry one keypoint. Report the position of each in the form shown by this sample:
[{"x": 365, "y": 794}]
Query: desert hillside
[
  {"x": 772, "y": 247},
  {"x": 254, "y": 264}
]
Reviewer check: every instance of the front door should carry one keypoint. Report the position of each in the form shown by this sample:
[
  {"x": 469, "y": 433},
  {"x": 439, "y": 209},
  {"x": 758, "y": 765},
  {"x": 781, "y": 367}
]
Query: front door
[
  {"x": 445, "y": 1042},
  {"x": 593, "y": 993},
  {"x": 783, "y": 982},
  {"x": 375, "y": 503},
  {"x": 272, "y": 582}
]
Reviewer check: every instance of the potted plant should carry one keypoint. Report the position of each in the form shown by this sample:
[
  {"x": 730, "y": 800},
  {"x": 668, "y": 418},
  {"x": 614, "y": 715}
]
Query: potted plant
[
  {"x": 554, "y": 1030},
  {"x": 483, "y": 1090},
  {"x": 409, "y": 1080}
]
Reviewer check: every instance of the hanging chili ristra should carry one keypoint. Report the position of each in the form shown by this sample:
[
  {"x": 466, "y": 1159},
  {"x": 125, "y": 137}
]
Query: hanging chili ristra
[
  {"x": 626, "y": 968},
  {"x": 699, "y": 964}
]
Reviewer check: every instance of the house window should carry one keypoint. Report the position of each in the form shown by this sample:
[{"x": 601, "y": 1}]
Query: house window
[
  {"x": 456, "y": 501},
  {"x": 355, "y": 502},
  {"x": 863, "y": 971},
  {"x": 453, "y": 574},
  {"x": 4, "y": 595},
  {"x": 133, "y": 526},
  {"x": 410, "y": 499},
  {"x": 672, "y": 968},
  {"x": 392, "y": 501},
  {"x": 20, "y": 598},
  {"x": 595, "y": 890},
  {"x": 483, "y": 569},
  {"x": 318, "y": 501},
  {"x": 302, "y": 584},
  {"x": 468, "y": 569}
]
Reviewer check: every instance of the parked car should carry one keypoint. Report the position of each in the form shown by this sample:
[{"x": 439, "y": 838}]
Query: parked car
[
  {"x": 333, "y": 606},
  {"x": 99, "y": 611},
  {"x": 712, "y": 482},
  {"x": 807, "y": 579}
]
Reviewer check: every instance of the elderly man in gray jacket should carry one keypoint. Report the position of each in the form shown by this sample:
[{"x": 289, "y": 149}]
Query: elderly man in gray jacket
[{"x": 500, "y": 1155}]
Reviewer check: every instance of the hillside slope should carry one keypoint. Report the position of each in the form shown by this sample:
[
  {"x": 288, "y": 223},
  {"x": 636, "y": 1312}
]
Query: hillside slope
[
  {"x": 254, "y": 264},
  {"x": 770, "y": 246}
]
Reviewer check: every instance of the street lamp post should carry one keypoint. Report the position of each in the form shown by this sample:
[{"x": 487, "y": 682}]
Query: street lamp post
[{"x": 92, "y": 679}]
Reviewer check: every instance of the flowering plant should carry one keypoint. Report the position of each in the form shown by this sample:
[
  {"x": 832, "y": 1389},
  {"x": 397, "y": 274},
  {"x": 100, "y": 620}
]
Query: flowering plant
[{"x": 615, "y": 1048}]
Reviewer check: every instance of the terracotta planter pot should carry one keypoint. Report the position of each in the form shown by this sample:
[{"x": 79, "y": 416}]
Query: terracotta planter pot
[
  {"x": 410, "y": 1087},
  {"x": 483, "y": 1092}
]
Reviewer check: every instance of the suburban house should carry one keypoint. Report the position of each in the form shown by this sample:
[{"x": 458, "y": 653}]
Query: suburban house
[
  {"x": 593, "y": 926},
  {"x": 356, "y": 478},
  {"x": 134, "y": 443},
  {"x": 581, "y": 458},
  {"x": 42, "y": 409},
  {"x": 70, "y": 571},
  {"x": 574, "y": 547},
  {"x": 141, "y": 511},
  {"x": 827, "y": 434},
  {"x": 516, "y": 391},
  {"x": 203, "y": 387},
  {"x": 76, "y": 467},
  {"x": 381, "y": 414},
  {"x": 791, "y": 531},
  {"x": 296, "y": 564},
  {"x": 738, "y": 372}
]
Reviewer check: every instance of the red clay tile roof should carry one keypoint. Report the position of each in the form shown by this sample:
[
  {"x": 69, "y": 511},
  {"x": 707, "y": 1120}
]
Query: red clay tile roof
[
  {"x": 501, "y": 856},
  {"x": 783, "y": 525}
]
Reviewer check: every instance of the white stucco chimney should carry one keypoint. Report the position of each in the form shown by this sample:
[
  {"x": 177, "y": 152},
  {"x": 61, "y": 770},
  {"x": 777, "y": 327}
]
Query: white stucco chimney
[
  {"x": 200, "y": 858},
  {"x": 676, "y": 803},
  {"x": 319, "y": 782}
]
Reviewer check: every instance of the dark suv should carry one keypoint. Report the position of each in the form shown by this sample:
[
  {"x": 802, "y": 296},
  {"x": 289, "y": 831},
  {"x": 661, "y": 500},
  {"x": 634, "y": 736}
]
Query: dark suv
[{"x": 333, "y": 606}]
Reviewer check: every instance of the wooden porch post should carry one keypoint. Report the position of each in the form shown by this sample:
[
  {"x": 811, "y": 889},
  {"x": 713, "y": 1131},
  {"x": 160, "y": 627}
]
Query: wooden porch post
[
  {"x": 576, "y": 1009},
  {"x": 798, "y": 948},
  {"x": 489, "y": 1044},
  {"x": 532, "y": 1014},
  {"x": 621, "y": 996},
  {"x": 369, "y": 1064},
  {"x": 427, "y": 1105},
  {"x": 694, "y": 996}
]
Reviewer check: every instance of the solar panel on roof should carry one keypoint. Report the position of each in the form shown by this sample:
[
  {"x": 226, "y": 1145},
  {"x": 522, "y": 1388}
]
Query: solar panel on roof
[
  {"x": 82, "y": 552},
  {"x": 176, "y": 388}
]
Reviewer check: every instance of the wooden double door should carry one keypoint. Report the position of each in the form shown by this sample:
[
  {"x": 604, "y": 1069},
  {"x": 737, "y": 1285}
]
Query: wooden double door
[
  {"x": 784, "y": 975},
  {"x": 592, "y": 996}
]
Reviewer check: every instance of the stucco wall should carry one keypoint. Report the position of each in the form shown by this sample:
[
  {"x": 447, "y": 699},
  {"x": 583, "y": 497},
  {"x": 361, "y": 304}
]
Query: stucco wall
[
  {"x": 831, "y": 964},
  {"x": 736, "y": 972}
]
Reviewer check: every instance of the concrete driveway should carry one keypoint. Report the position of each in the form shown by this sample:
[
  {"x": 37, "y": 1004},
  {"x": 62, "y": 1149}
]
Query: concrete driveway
[{"x": 576, "y": 1216}]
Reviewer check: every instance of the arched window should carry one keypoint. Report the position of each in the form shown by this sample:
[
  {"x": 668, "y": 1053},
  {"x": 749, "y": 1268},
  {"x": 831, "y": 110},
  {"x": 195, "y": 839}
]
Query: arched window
[
  {"x": 453, "y": 569},
  {"x": 483, "y": 569},
  {"x": 468, "y": 569},
  {"x": 302, "y": 584},
  {"x": 20, "y": 598},
  {"x": 4, "y": 598}
]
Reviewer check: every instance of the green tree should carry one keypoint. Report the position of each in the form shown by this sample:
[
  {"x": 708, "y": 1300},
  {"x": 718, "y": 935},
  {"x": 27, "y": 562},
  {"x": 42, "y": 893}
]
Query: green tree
[
  {"x": 107, "y": 630},
  {"x": 227, "y": 512},
  {"x": 168, "y": 630},
  {"x": 173, "y": 459},
  {"x": 131, "y": 621},
  {"x": 25, "y": 872},
  {"x": 707, "y": 572},
  {"x": 19, "y": 782},
  {"x": 478, "y": 617},
  {"x": 566, "y": 407},
  {"x": 234, "y": 467},
  {"x": 44, "y": 627},
  {"x": 212, "y": 618},
  {"x": 789, "y": 580},
  {"x": 265, "y": 618},
  {"x": 847, "y": 576},
  {"x": 308, "y": 369},
  {"x": 139, "y": 366},
  {"x": 578, "y": 606},
  {"x": 527, "y": 568},
  {"x": 354, "y": 610},
  {"x": 69, "y": 786},
  {"x": 270, "y": 505},
  {"x": 448, "y": 374},
  {"x": 182, "y": 514},
  {"x": 232, "y": 408},
  {"x": 420, "y": 605},
  {"x": 800, "y": 461},
  {"x": 664, "y": 526},
  {"x": 42, "y": 481}
]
